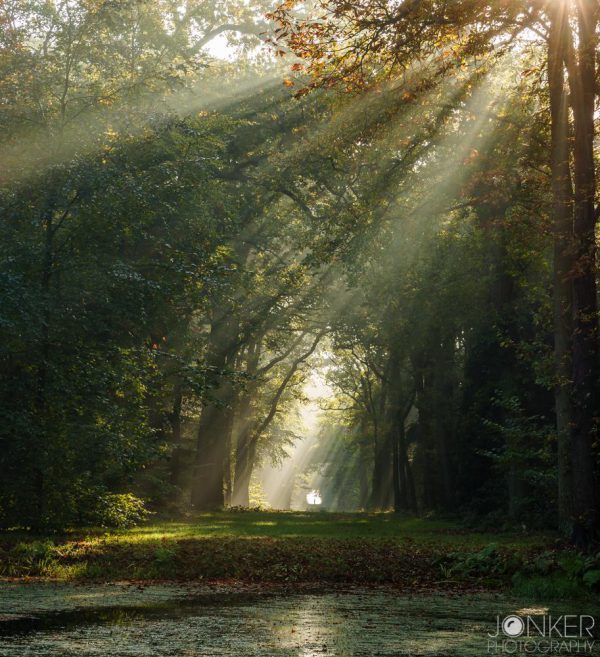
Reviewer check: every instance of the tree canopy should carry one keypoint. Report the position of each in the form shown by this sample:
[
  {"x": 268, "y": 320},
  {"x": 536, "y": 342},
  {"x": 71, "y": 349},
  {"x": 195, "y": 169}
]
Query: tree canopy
[{"x": 391, "y": 203}]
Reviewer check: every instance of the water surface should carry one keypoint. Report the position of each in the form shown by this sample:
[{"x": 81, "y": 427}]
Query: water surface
[{"x": 52, "y": 620}]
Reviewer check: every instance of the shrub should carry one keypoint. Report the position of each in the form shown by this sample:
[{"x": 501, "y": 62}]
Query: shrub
[
  {"x": 121, "y": 510},
  {"x": 489, "y": 562},
  {"x": 34, "y": 558},
  {"x": 558, "y": 575}
]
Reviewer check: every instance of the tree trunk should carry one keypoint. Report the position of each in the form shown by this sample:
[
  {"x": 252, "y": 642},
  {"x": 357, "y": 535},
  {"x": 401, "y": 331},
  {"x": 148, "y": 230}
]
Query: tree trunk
[
  {"x": 41, "y": 401},
  {"x": 175, "y": 421},
  {"x": 442, "y": 370},
  {"x": 406, "y": 486},
  {"x": 425, "y": 459},
  {"x": 411, "y": 495},
  {"x": 214, "y": 435},
  {"x": 363, "y": 464},
  {"x": 398, "y": 482},
  {"x": 244, "y": 450},
  {"x": 382, "y": 485},
  {"x": 563, "y": 259},
  {"x": 216, "y": 421},
  {"x": 244, "y": 465},
  {"x": 243, "y": 472},
  {"x": 227, "y": 447},
  {"x": 402, "y": 400},
  {"x": 585, "y": 321}
]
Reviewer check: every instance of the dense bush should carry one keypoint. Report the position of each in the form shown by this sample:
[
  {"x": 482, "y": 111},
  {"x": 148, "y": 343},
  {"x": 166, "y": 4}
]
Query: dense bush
[{"x": 121, "y": 510}]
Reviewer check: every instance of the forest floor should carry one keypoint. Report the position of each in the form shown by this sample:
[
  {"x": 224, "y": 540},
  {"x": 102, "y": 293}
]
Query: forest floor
[{"x": 306, "y": 549}]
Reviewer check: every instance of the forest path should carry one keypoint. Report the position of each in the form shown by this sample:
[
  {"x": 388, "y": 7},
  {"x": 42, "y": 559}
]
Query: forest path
[{"x": 284, "y": 547}]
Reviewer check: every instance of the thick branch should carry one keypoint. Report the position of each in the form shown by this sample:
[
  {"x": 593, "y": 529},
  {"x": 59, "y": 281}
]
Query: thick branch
[{"x": 242, "y": 28}]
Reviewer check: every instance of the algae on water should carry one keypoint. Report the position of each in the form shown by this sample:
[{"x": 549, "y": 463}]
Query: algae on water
[{"x": 50, "y": 620}]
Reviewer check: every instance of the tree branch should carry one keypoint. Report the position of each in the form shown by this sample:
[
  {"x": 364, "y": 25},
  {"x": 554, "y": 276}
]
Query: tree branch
[{"x": 283, "y": 385}]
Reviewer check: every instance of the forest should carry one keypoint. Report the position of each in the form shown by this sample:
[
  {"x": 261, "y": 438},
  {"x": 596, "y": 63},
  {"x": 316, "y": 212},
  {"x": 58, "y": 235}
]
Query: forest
[
  {"x": 299, "y": 348},
  {"x": 251, "y": 249}
]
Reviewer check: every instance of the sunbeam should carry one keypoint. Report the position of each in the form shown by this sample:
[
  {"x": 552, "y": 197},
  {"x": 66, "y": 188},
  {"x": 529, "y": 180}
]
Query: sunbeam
[{"x": 299, "y": 294}]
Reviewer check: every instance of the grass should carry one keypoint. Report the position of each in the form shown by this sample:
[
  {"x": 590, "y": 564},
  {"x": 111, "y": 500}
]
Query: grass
[
  {"x": 282, "y": 524},
  {"x": 412, "y": 553}
]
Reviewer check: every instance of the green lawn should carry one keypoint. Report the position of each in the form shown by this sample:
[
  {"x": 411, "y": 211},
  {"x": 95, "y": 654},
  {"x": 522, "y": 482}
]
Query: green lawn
[
  {"x": 290, "y": 524},
  {"x": 379, "y": 548}
]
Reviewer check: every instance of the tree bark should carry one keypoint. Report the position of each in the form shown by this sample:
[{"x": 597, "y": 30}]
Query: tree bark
[
  {"x": 382, "y": 486},
  {"x": 41, "y": 401},
  {"x": 443, "y": 429},
  {"x": 175, "y": 421},
  {"x": 244, "y": 453},
  {"x": 401, "y": 400},
  {"x": 582, "y": 83},
  {"x": 363, "y": 464},
  {"x": 244, "y": 461},
  {"x": 562, "y": 209},
  {"x": 398, "y": 483},
  {"x": 404, "y": 494},
  {"x": 244, "y": 465},
  {"x": 216, "y": 421}
]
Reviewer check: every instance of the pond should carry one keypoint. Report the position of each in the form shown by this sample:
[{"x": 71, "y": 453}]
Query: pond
[{"x": 61, "y": 620}]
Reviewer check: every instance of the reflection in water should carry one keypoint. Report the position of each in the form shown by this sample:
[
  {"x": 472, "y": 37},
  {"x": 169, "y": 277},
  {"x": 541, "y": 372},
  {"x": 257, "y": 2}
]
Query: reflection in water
[{"x": 360, "y": 623}]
